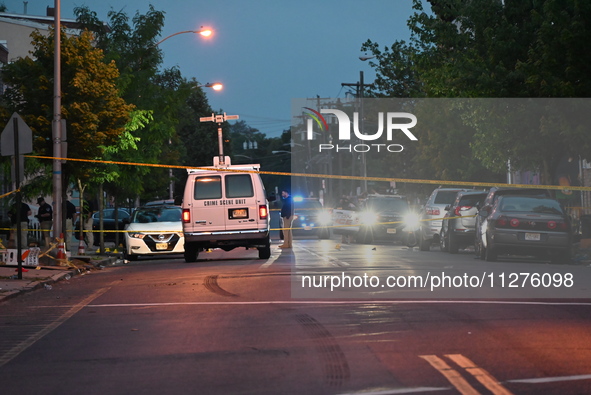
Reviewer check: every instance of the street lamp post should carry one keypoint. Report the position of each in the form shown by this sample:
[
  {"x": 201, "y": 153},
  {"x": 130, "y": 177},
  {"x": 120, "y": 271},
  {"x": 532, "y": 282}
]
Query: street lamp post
[{"x": 205, "y": 32}]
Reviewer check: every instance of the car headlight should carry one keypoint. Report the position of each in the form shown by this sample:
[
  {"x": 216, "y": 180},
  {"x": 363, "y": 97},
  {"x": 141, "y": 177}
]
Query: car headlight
[
  {"x": 137, "y": 235},
  {"x": 324, "y": 218},
  {"x": 411, "y": 221},
  {"x": 368, "y": 218}
]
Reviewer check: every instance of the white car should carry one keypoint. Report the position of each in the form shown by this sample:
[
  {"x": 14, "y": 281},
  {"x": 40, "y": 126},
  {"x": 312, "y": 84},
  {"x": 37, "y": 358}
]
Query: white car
[{"x": 154, "y": 230}]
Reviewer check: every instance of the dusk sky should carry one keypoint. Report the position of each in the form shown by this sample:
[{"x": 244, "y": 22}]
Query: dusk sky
[{"x": 265, "y": 52}]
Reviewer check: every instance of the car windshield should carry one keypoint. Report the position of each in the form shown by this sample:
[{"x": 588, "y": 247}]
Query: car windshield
[
  {"x": 398, "y": 205},
  {"x": 527, "y": 204},
  {"x": 157, "y": 214},
  {"x": 445, "y": 197}
]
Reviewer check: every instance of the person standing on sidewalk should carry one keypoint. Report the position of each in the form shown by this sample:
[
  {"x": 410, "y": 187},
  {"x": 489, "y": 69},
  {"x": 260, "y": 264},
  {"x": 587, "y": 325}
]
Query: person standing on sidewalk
[
  {"x": 88, "y": 224},
  {"x": 25, "y": 211},
  {"x": 287, "y": 218},
  {"x": 71, "y": 216},
  {"x": 45, "y": 217}
]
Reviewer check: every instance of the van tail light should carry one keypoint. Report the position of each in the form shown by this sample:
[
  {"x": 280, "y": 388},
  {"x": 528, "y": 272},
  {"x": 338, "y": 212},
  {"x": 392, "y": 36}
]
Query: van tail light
[
  {"x": 433, "y": 211},
  {"x": 263, "y": 212},
  {"x": 186, "y": 215}
]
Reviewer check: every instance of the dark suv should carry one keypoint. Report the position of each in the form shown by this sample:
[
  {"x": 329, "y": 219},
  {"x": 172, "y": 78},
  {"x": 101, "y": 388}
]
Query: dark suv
[{"x": 491, "y": 198}]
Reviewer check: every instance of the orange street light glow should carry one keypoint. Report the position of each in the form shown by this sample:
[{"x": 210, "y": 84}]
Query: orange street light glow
[{"x": 206, "y": 32}]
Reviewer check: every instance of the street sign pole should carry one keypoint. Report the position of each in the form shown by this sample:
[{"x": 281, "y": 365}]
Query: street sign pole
[
  {"x": 18, "y": 204},
  {"x": 17, "y": 139}
]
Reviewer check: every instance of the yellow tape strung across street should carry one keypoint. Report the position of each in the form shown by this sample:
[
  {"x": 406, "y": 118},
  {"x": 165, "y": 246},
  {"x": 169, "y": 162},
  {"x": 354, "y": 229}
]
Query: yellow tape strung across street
[{"x": 386, "y": 179}]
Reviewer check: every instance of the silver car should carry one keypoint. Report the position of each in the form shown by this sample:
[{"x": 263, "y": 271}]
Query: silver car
[
  {"x": 459, "y": 223},
  {"x": 432, "y": 215}
]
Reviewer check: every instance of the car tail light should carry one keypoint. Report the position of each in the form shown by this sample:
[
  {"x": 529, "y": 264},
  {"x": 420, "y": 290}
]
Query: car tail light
[
  {"x": 433, "y": 211},
  {"x": 552, "y": 225},
  {"x": 501, "y": 221},
  {"x": 186, "y": 215},
  {"x": 514, "y": 222},
  {"x": 458, "y": 210},
  {"x": 263, "y": 212}
]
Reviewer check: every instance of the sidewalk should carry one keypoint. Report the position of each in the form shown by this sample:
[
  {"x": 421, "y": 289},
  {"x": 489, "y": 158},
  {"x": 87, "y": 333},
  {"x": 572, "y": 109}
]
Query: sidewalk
[{"x": 44, "y": 275}]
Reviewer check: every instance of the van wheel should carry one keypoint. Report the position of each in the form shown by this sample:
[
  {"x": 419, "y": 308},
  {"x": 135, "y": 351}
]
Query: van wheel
[
  {"x": 191, "y": 253},
  {"x": 264, "y": 252}
]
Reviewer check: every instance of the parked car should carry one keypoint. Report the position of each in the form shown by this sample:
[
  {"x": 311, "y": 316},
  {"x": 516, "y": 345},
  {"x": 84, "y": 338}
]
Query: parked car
[
  {"x": 154, "y": 230},
  {"x": 525, "y": 225},
  {"x": 310, "y": 217},
  {"x": 459, "y": 223},
  {"x": 493, "y": 194},
  {"x": 432, "y": 215},
  {"x": 381, "y": 217},
  {"x": 108, "y": 224},
  {"x": 165, "y": 202}
]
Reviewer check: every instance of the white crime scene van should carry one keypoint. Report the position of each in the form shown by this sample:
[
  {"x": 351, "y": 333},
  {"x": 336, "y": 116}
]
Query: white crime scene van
[{"x": 225, "y": 206}]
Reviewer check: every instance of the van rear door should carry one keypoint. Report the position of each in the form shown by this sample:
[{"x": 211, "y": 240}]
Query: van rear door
[
  {"x": 241, "y": 208},
  {"x": 207, "y": 212}
]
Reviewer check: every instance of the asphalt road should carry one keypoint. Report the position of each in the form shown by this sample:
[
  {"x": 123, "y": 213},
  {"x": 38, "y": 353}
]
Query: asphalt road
[{"x": 234, "y": 324}]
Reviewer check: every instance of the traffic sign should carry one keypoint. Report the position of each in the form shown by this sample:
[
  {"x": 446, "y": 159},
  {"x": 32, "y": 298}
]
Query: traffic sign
[{"x": 25, "y": 137}]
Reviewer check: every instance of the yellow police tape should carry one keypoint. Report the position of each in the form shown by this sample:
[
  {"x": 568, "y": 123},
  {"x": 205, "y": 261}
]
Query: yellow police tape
[{"x": 386, "y": 179}]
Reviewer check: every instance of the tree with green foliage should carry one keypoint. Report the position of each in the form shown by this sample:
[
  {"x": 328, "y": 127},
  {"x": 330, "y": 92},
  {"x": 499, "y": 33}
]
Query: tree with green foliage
[
  {"x": 175, "y": 104},
  {"x": 95, "y": 113},
  {"x": 494, "y": 49}
]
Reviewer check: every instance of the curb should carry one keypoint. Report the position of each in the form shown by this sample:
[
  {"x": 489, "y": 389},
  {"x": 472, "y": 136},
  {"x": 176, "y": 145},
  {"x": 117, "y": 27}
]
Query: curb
[{"x": 64, "y": 275}]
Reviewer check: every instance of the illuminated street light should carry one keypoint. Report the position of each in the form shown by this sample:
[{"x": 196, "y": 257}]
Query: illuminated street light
[
  {"x": 216, "y": 86},
  {"x": 205, "y": 32}
]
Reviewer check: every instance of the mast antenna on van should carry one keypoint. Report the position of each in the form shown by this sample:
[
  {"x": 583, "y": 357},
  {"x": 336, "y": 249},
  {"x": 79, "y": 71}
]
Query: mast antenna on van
[{"x": 219, "y": 119}]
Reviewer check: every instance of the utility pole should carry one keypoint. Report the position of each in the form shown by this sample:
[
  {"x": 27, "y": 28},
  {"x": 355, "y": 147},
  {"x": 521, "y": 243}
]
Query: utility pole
[
  {"x": 57, "y": 132},
  {"x": 360, "y": 87}
]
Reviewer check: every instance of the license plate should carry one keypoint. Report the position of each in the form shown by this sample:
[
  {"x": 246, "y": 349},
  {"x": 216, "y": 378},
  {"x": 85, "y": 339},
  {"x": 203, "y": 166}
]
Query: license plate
[
  {"x": 532, "y": 236},
  {"x": 240, "y": 213},
  {"x": 162, "y": 246},
  {"x": 391, "y": 230}
]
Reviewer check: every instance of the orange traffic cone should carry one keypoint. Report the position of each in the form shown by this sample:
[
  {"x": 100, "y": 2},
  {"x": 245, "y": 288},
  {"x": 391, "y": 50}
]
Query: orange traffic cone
[
  {"x": 81, "y": 248},
  {"x": 61, "y": 252}
]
